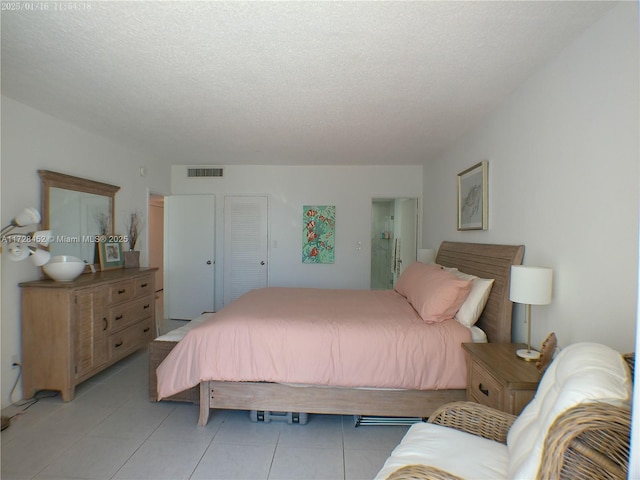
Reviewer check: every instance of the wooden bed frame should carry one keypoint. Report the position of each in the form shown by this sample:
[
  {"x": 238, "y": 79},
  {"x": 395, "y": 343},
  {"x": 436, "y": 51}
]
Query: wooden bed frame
[{"x": 483, "y": 260}]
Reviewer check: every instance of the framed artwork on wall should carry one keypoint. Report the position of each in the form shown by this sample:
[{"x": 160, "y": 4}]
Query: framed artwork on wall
[
  {"x": 473, "y": 211},
  {"x": 318, "y": 229},
  {"x": 110, "y": 249}
]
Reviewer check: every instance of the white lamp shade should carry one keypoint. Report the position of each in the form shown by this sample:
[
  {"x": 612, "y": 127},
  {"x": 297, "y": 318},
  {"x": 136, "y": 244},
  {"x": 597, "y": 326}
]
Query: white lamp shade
[
  {"x": 18, "y": 251},
  {"x": 426, "y": 255},
  {"x": 27, "y": 217},
  {"x": 531, "y": 285},
  {"x": 42, "y": 237},
  {"x": 40, "y": 257}
]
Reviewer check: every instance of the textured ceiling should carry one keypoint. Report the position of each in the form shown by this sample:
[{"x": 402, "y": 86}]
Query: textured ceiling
[{"x": 281, "y": 82}]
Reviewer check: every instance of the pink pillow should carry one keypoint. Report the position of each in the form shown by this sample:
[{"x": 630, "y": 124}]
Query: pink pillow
[{"x": 435, "y": 294}]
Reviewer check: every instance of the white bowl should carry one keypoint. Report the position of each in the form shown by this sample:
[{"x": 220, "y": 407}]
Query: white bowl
[{"x": 64, "y": 268}]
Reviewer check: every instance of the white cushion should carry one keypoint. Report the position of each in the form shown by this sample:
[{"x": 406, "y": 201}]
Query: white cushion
[
  {"x": 581, "y": 373},
  {"x": 472, "y": 308},
  {"x": 453, "y": 451}
]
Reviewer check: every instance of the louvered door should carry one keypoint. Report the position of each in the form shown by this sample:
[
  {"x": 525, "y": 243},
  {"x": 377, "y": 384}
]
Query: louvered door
[{"x": 245, "y": 245}]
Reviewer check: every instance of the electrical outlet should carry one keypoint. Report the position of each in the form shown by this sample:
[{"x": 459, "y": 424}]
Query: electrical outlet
[{"x": 15, "y": 361}]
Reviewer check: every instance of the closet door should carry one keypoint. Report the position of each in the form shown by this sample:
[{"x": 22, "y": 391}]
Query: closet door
[
  {"x": 190, "y": 267},
  {"x": 245, "y": 245}
]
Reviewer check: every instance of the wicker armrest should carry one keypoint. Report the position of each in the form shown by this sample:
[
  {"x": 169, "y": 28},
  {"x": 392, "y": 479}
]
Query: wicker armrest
[
  {"x": 630, "y": 358},
  {"x": 474, "y": 418},
  {"x": 586, "y": 442},
  {"x": 421, "y": 472}
]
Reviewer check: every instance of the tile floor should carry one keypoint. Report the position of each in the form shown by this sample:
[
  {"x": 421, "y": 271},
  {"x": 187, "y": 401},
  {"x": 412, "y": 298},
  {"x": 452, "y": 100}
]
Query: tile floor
[{"x": 112, "y": 431}]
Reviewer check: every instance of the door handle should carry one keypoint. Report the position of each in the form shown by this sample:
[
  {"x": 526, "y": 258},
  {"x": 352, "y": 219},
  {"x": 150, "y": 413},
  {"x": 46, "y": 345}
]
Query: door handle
[
  {"x": 209, "y": 262},
  {"x": 484, "y": 391},
  {"x": 262, "y": 262}
]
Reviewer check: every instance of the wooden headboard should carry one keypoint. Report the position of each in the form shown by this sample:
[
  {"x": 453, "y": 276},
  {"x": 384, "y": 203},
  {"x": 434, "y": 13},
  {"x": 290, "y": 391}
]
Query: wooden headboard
[{"x": 487, "y": 261}]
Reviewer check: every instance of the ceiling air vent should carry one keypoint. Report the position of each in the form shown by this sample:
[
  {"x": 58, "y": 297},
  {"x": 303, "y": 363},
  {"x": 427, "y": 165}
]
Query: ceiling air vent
[{"x": 204, "y": 172}]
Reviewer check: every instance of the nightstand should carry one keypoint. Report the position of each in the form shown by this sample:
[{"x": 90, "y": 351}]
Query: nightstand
[{"x": 499, "y": 379}]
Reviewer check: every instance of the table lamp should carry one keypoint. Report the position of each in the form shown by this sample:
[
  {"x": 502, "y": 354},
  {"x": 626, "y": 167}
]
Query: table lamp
[
  {"x": 426, "y": 255},
  {"x": 530, "y": 286}
]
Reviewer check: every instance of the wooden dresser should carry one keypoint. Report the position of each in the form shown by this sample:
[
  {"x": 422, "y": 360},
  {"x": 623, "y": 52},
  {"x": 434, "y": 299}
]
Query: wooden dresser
[{"x": 73, "y": 330}]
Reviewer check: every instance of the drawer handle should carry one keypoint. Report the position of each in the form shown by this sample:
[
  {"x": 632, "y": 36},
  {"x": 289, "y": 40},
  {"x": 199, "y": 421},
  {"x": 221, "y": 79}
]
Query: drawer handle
[
  {"x": 119, "y": 344},
  {"x": 144, "y": 285},
  {"x": 484, "y": 391},
  {"x": 106, "y": 323},
  {"x": 146, "y": 306},
  {"x": 122, "y": 291},
  {"x": 146, "y": 330},
  {"x": 120, "y": 317}
]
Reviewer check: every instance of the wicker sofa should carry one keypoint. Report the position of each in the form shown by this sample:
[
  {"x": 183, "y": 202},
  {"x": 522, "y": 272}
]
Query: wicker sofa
[{"x": 576, "y": 427}]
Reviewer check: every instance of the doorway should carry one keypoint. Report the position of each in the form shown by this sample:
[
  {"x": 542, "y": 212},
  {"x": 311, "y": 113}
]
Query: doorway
[
  {"x": 156, "y": 253},
  {"x": 394, "y": 239}
]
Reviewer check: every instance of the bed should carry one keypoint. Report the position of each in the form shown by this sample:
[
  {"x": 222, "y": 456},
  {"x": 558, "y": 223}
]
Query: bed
[{"x": 340, "y": 394}]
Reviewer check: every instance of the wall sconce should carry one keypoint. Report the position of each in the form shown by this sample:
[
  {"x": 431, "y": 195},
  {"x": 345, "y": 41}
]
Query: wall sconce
[
  {"x": 23, "y": 245},
  {"x": 530, "y": 286}
]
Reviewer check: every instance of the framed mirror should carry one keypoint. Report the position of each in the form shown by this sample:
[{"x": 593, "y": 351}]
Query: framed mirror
[{"x": 76, "y": 210}]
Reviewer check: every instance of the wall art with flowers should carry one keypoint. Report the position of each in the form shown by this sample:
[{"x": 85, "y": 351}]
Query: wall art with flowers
[{"x": 318, "y": 233}]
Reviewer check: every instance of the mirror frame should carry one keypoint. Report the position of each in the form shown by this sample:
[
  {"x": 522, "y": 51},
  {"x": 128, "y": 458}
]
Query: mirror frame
[{"x": 50, "y": 179}]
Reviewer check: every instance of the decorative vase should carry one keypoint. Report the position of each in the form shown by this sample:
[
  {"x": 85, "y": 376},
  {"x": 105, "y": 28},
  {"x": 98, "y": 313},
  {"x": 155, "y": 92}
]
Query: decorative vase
[
  {"x": 131, "y": 259},
  {"x": 96, "y": 254}
]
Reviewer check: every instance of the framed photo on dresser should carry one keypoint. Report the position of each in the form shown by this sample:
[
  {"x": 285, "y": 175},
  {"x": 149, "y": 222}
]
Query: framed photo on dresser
[{"x": 110, "y": 249}]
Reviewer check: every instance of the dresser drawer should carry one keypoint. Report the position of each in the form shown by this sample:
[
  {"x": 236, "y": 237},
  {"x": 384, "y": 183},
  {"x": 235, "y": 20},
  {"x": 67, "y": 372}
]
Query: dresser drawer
[
  {"x": 131, "y": 338},
  {"x": 121, "y": 291},
  {"x": 128, "y": 313},
  {"x": 484, "y": 388},
  {"x": 144, "y": 286}
]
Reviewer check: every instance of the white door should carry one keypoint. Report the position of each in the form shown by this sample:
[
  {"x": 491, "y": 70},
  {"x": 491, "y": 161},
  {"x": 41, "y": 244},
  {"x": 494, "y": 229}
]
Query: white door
[
  {"x": 156, "y": 253},
  {"x": 190, "y": 272},
  {"x": 408, "y": 213},
  {"x": 405, "y": 230},
  {"x": 245, "y": 245}
]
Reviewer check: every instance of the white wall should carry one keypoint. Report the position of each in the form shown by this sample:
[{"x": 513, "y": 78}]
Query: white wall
[
  {"x": 32, "y": 140},
  {"x": 563, "y": 180},
  {"x": 349, "y": 188}
]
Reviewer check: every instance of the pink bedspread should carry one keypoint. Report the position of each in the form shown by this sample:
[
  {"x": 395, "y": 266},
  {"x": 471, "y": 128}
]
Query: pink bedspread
[{"x": 350, "y": 338}]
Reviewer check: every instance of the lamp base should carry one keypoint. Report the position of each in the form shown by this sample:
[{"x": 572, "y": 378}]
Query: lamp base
[{"x": 528, "y": 355}]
